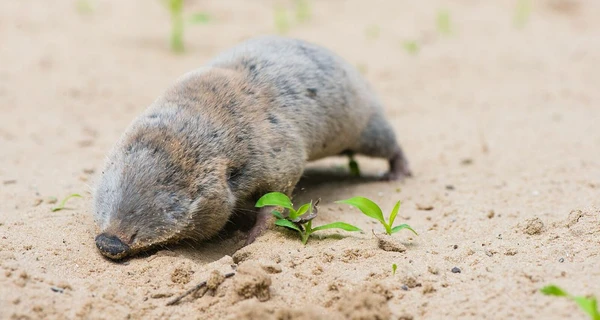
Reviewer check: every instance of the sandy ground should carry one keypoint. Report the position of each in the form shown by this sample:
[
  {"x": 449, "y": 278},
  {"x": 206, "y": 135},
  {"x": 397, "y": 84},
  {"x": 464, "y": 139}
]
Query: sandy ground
[{"x": 500, "y": 124}]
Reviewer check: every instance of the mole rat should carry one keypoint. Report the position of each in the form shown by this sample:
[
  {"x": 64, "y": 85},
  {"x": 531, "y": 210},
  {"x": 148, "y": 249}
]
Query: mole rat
[{"x": 225, "y": 134}]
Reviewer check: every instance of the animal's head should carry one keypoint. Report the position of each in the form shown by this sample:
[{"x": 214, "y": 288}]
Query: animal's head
[{"x": 158, "y": 187}]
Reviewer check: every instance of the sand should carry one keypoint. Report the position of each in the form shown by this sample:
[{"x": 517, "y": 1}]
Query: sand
[{"x": 499, "y": 121}]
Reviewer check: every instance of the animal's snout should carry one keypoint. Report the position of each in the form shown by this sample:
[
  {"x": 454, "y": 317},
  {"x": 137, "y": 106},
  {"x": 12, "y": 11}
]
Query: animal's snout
[{"x": 111, "y": 246}]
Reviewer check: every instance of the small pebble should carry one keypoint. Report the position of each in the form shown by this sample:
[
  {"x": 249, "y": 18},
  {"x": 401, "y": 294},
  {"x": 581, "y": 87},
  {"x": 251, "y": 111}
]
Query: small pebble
[
  {"x": 455, "y": 270},
  {"x": 424, "y": 207},
  {"x": 404, "y": 287},
  {"x": 455, "y": 246},
  {"x": 449, "y": 187},
  {"x": 56, "y": 289},
  {"x": 561, "y": 260}
]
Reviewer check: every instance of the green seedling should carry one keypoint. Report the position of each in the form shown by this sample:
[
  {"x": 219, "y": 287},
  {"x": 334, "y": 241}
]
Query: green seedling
[
  {"x": 411, "y": 46},
  {"x": 299, "y": 220},
  {"x": 178, "y": 22},
  {"x": 282, "y": 20},
  {"x": 371, "y": 209},
  {"x": 84, "y": 6},
  {"x": 522, "y": 12},
  {"x": 62, "y": 204},
  {"x": 199, "y": 18},
  {"x": 303, "y": 11},
  {"x": 588, "y": 305},
  {"x": 176, "y": 9},
  {"x": 444, "y": 24},
  {"x": 394, "y": 268}
]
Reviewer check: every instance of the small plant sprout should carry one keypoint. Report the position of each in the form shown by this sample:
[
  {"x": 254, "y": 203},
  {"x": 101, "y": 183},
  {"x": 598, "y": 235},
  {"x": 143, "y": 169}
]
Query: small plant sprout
[
  {"x": 394, "y": 268},
  {"x": 284, "y": 18},
  {"x": 199, "y": 18},
  {"x": 281, "y": 19},
  {"x": 178, "y": 22},
  {"x": 588, "y": 305},
  {"x": 84, "y": 6},
  {"x": 176, "y": 10},
  {"x": 444, "y": 24},
  {"x": 299, "y": 220},
  {"x": 411, "y": 46},
  {"x": 303, "y": 11},
  {"x": 371, "y": 209},
  {"x": 522, "y": 12},
  {"x": 62, "y": 204}
]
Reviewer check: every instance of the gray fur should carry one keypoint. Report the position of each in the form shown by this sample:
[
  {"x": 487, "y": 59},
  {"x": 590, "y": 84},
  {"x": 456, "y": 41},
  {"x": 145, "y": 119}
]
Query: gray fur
[{"x": 243, "y": 125}]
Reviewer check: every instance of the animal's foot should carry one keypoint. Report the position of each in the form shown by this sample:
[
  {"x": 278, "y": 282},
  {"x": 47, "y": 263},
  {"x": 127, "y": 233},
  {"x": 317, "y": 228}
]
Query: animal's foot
[
  {"x": 263, "y": 218},
  {"x": 399, "y": 168}
]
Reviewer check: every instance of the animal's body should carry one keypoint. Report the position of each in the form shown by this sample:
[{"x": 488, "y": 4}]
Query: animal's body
[{"x": 225, "y": 134}]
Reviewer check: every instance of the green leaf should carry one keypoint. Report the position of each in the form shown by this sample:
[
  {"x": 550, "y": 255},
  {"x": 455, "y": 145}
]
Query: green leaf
[
  {"x": 394, "y": 213},
  {"x": 175, "y": 5},
  {"x": 302, "y": 10},
  {"x": 411, "y": 47},
  {"x": 277, "y": 214},
  {"x": 589, "y": 305},
  {"x": 394, "y": 267},
  {"x": 553, "y": 290},
  {"x": 522, "y": 12},
  {"x": 84, "y": 6},
  {"x": 275, "y": 199},
  {"x": 367, "y": 207},
  {"x": 302, "y": 210},
  {"x": 282, "y": 21},
  {"x": 287, "y": 224},
  {"x": 443, "y": 22},
  {"x": 62, "y": 204},
  {"x": 336, "y": 225},
  {"x": 403, "y": 226},
  {"x": 200, "y": 18}
]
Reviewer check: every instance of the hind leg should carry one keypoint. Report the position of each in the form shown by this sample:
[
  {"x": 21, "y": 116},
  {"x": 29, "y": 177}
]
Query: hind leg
[
  {"x": 399, "y": 167},
  {"x": 379, "y": 140}
]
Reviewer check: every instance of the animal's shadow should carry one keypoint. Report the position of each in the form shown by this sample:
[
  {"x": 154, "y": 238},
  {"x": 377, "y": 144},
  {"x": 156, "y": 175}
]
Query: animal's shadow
[{"x": 327, "y": 184}]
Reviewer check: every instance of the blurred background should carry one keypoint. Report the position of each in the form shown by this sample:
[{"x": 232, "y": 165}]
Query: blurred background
[{"x": 456, "y": 76}]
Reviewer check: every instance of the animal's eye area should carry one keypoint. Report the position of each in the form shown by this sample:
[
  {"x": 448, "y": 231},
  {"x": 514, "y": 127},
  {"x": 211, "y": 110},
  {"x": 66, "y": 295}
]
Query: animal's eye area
[
  {"x": 133, "y": 235},
  {"x": 234, "y": 174}
]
